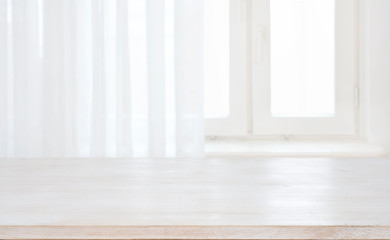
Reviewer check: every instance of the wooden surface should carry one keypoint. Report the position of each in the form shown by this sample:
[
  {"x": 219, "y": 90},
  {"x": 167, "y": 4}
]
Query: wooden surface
[{"x": 195, "y": 199}]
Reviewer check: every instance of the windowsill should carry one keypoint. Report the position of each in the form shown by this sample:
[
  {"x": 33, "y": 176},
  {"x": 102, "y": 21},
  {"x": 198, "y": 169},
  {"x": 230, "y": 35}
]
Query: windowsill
[{"x": 277, "y": 148}]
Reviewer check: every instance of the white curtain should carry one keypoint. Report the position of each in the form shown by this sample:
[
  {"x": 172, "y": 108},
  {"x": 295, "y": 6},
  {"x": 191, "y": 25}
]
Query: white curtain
[{"x": 101, "y": 78}]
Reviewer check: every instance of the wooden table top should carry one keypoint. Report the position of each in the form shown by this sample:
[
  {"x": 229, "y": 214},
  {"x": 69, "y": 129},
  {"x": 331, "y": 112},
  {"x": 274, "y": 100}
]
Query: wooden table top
[{"x": 195, "y": 199}]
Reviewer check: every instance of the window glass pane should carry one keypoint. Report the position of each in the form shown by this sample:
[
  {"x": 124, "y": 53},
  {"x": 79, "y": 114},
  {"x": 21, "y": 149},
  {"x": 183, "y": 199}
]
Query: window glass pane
[
  {"x": 302, "y": 58},
  {"x": 216, "y": 64}
]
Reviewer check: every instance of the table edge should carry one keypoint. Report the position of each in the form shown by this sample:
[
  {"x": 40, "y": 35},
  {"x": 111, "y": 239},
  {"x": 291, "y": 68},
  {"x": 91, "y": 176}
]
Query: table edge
[{"x": 193, "y": 232}]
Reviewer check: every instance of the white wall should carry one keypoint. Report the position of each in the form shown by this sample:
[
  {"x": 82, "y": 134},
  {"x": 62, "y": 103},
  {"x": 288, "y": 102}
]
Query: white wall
[{"x": 377, "y": 70}]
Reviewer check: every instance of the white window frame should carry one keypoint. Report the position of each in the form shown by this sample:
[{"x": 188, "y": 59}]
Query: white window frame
[
  {"x": 236, "y": 122},
  {"x": 250, "y": 113}
]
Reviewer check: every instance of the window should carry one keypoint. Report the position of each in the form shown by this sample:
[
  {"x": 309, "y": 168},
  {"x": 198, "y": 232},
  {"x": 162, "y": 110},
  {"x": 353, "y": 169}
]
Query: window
[
  {"x": 225, "y": 67},
  {"x": 216, "y": 64},
  {"x": 292, "y": 68}
]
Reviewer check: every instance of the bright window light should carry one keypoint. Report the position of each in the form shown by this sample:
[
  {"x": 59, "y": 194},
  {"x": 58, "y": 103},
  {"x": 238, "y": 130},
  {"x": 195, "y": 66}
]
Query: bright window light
[
  {"x": 216, "y": 64},
  {"x": 303, "y": 58}
]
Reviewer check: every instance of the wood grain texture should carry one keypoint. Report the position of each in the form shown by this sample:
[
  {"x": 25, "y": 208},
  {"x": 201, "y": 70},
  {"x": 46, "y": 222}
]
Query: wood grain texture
[
  {"x": 195, "y": 199},
  {"x": 195, "y": 232}
]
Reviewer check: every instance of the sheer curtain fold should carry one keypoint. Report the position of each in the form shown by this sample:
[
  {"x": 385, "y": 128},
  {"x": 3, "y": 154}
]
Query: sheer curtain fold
[
  {"x": 3, "y": 77},
  {"x": 155, "y": 25},
  {"x": 101, "y": 78},
  {"x": 188, "y": 69},
  {"x": 123, "y": 92}
]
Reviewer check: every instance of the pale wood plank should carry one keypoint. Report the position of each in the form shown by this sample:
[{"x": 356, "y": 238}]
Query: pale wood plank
[
  {"x": 194, "y": 199},
  {"x": 195, "y": 232}
]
